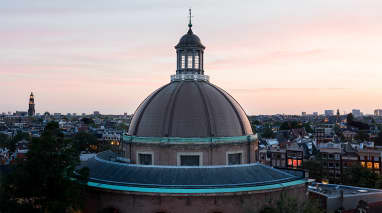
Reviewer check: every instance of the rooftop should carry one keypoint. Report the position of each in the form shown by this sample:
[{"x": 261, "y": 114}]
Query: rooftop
[
  {"x": 334, "y": 190},
  {"x": 108, "y": 174}
]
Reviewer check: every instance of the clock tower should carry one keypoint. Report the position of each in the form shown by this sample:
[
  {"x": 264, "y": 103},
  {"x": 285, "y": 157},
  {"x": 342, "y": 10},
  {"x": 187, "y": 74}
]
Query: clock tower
[{"x": 31, "y": 110}]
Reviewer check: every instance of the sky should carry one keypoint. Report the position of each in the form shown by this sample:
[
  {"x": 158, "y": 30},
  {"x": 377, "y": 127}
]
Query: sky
[{"x": 272, "y": 56}]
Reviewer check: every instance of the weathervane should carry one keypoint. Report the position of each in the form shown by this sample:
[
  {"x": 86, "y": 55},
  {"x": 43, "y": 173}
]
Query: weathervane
[{"x": 189, "y": 24}]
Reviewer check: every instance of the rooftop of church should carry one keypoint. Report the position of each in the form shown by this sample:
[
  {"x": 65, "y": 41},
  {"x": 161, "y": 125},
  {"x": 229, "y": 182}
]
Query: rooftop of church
[{"x": 106, "y": 173}]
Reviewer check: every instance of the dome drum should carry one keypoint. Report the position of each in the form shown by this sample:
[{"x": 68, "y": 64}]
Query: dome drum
[{"x": 169, "y": 154}]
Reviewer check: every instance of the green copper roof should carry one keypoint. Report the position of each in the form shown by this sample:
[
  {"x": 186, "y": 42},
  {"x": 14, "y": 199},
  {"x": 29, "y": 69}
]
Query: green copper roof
[
  {"x": 195, "y": 191},
  {"x": 128, "y": 138}
]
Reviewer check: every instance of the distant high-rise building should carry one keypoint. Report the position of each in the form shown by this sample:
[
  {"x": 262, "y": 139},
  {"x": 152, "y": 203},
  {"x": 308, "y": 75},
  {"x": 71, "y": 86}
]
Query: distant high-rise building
[
  {"x": 96, "y": 113},
  {"x": 356, "y": 113},
  {"x": 31, "y": 110},
  {"x": 21, "y": 113},
  {"x": 329, "y": 112},
  {"x": 303, "y": 114},
  {"x": 378, "y": 112},
  {"x": 315, "y": 113}
]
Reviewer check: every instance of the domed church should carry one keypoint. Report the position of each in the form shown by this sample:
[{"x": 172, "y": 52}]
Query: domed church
[{"x": 190, "y": 148}]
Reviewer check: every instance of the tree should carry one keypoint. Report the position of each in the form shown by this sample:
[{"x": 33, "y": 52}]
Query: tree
[
  {"x": 352, "y": 122},
  {"x": 87, "y": 121},
  {"x": 361, "y": 176},
  {"x": 46, "y": 181},
  {"x": 4, "y": 140},
  {"x": 11, "y": 144},
  {"x": 84, "y": 141},
  {"x": 362, "y": 136},
  {"x": 349, "y": 118},
  {"x": 123, "y": 126},
  {"x": 268, "y": 133},
  {"x": 314, "y": 169},
  {"x": 308, "y": 128},
  {"x": 378, "y": 139},
  {"x": 288, "y": 125}
]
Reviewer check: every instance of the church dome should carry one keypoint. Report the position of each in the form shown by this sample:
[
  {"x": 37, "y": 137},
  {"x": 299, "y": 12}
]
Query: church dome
[{"x": 190, "y": 108}]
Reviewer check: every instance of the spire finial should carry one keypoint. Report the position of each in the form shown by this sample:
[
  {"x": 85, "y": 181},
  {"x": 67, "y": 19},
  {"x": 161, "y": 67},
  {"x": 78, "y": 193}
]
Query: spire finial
[{"x": 190, "y": 24}]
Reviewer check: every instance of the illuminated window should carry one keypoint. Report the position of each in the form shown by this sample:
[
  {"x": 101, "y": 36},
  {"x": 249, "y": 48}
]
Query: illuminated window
[
  {"x": 369, "y": 165},
  {"x": 197, "y": 61},
  {"x": 116, "y": 143},
  {"x": 183, "y": 61},
  {"x": 189, "y": 61},
  {"x": 376, "y": 165},
  {"x": 299, "y": 163},
  {"x": 294, "y": 163},
  {"x": 290, "y": 162},
  {"x": 363, "y": 164}
]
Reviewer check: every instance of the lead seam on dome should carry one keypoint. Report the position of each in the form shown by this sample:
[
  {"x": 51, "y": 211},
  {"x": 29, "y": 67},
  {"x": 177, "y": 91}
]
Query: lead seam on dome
[
  {"x": 167, "y": 121},
  {"x": 234, "y": 108},
  {"x": 211, "y": 127}
]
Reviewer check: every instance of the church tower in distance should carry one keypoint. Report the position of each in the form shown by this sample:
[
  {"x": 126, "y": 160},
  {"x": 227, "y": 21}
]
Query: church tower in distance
[{"x": 31, "y": 110}]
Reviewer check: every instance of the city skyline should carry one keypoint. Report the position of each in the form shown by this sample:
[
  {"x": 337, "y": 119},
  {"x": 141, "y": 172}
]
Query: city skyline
[
  {"x": 273, "y": 58},
  {"x": 304, "y": 113}
]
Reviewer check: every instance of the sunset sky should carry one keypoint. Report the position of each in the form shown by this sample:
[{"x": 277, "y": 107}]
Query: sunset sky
[{"x": 272, "y": 56}]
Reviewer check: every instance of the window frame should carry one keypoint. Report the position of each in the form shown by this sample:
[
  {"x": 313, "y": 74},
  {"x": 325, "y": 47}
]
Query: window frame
[
  {"x": 182, "y": 60},
  {"x": 197, "y": 61},
  {"x": 189, "y": 62},
  {"x": 179, "y": 154},
  {"x": 234, "y": 152},
  {"x": 145, "y": 153}
]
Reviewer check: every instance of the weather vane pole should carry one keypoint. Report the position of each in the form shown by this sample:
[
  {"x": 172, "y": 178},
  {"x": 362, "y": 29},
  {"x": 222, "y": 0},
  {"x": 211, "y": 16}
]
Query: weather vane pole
[{"x": 189, "y": 24}]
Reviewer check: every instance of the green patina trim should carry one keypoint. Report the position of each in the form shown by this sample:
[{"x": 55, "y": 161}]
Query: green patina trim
[
  {"x": 245, "y": 138},
  {"x": 195, "y": 191}
]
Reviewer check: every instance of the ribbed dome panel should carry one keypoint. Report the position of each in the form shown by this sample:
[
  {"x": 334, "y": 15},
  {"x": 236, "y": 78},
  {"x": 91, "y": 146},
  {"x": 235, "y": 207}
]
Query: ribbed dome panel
[{"x": 189, "y": 109}]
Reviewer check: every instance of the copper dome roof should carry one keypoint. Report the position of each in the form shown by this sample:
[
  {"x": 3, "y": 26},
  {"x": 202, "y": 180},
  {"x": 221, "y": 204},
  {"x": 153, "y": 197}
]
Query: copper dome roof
[{"x": 189, "y": 109}]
